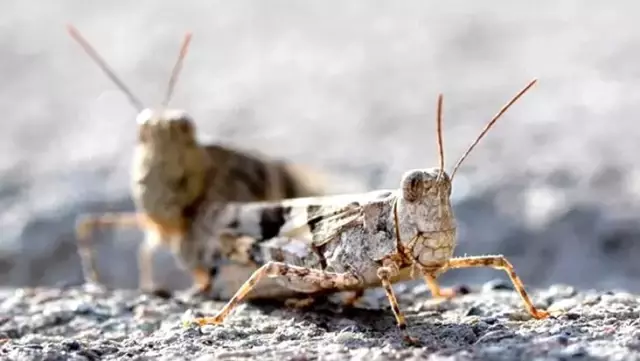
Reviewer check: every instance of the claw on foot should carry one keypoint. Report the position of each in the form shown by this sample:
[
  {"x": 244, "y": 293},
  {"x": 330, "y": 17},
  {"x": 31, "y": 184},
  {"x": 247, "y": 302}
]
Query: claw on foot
[{"x": 541, "y": 315}]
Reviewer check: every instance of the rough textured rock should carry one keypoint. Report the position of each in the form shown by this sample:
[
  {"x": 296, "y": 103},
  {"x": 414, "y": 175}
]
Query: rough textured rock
[
  {"x": 554, "y": 187},
  {"x": 488, "y": 324}
]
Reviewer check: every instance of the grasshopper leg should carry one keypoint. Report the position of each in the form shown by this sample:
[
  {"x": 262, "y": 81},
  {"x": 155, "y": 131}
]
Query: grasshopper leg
[
  {"x": 388, "y": 270},
  {"x": 501, "y": 263},
  {"x": 145, "y": 264},
  {"x": 314, "y": 278},
  {"x": 438, "y": 292},
  {"x": 202, "y": 282},
  {"x": 354, "y": 297},
  {"x": 299, "y": 303},
  {"x": 85, "y": 226}
]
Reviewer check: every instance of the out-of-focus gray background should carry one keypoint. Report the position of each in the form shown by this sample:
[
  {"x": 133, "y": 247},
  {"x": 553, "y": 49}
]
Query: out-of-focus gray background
[{"x": 348, "y": 87}]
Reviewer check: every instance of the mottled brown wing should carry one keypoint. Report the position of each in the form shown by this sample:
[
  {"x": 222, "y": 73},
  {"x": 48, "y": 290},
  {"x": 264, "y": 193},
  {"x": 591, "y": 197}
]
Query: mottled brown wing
[
  {"x": 326, "y": 221},
  {"x": 371, "y": 216},
  {"x": 250, "y": 176},
  {"x": 329, "y": 221}
]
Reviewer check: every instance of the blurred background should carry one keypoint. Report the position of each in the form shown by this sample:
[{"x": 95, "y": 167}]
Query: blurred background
[{"x": 347, "y": 87}]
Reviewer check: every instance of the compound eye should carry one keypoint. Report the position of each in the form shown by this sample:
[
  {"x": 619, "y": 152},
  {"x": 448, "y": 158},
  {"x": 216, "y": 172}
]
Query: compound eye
[
  {"x": 412, "y": 186},
  {"x": 184, "y": 125},
  {"x": 415, "y": 184}
]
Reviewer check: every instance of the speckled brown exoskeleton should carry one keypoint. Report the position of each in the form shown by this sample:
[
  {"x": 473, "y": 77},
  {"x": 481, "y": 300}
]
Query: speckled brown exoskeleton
[
  {"x": 329, "y": 244},
  {"x": 174, "y": 176}
]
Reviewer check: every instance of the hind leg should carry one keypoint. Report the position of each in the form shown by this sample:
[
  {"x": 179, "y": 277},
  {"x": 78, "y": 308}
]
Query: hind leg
[{"x": 310, "y": 279}]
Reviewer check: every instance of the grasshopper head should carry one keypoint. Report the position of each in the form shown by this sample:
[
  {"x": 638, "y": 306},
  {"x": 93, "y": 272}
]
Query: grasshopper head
[
  {"x": 426, "y": 217},
  {"x": 171, "y": 128},
  {"x": 424, "y": 214},
  {"x": 169, "y": 167}
]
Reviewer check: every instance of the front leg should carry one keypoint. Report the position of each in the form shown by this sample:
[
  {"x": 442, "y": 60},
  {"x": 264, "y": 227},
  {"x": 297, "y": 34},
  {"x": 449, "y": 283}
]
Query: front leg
[
  {"x": 316, "y": 280},
  {"x": 85, "y": 225},
  {"x": 389, "y": 270},
  {"x": 499, "y": 262},
  {"x": 145, "y": 265}
]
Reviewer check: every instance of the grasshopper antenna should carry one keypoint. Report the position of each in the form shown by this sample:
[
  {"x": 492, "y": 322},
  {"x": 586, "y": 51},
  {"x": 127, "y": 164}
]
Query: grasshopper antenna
[
  {"x": 175, "y": 73},
  {"x": 439, "y": 133},
  {"x": 93, "y": 54},
  {"x": 490, "y": 124}
]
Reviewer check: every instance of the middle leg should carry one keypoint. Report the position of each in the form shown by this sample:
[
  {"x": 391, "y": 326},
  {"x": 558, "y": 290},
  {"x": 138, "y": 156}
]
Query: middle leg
[
  {"x": 388, "y": 270},
  {"x": 441, "y": 293}
]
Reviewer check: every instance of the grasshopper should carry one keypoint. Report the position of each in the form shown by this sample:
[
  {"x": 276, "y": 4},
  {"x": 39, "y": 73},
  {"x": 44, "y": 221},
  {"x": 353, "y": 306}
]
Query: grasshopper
[
  {"x": 173, "y": 176},
  {"x": 363, "y": 241}
]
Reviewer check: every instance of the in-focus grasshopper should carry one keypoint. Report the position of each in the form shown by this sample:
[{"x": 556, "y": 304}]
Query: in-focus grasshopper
[
  {"x": 174, "y": 177},
  {"x": 358, "y": 241}
]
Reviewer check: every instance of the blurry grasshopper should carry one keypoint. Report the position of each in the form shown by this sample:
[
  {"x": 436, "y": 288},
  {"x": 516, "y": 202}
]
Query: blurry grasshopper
[
  {"x": 322, "y": 245},
  {"x": 174, "y": 178}
]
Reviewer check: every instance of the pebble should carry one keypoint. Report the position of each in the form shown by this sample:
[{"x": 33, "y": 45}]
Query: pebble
[
  {"x": 497, "y": 285},
  {"x": 82, "y": 308},
  {"x": 572, "y": 316},
  {"x": 619, "y": 298},
  {"x": 345, "y": 337},
  {"x": 564, "y": 305},
  {"x": 561, "y": 291},
  {"x": 561, "y": 339},
  {"x": 462, "y": 289},
  {"x": 71, "y": 345},
  {"x": 489, "y": 320},
  {"x": 474, "y": 311}
]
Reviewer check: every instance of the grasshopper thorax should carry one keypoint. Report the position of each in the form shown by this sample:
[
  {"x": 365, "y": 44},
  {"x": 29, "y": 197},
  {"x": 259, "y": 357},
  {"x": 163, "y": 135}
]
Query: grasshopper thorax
[{"x": 169, "y": 166}]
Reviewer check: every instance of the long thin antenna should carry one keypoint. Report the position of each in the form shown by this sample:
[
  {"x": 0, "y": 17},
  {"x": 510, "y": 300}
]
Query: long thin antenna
[
  {"x": 488, "y": 126},
  {"x": 439, "y": 132},
  {"x": 175, "y": 73},
  {"x": 75, "y": 34}
]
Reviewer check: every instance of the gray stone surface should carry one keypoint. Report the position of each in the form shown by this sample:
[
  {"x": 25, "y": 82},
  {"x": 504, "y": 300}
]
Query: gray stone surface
[
  {"x": 349, "y": 88},
  {"x": 486, "y": 325}
]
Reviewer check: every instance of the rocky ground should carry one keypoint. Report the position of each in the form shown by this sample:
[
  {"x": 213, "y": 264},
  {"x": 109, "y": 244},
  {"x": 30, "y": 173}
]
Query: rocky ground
[{"x": 487, "y": 324}]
